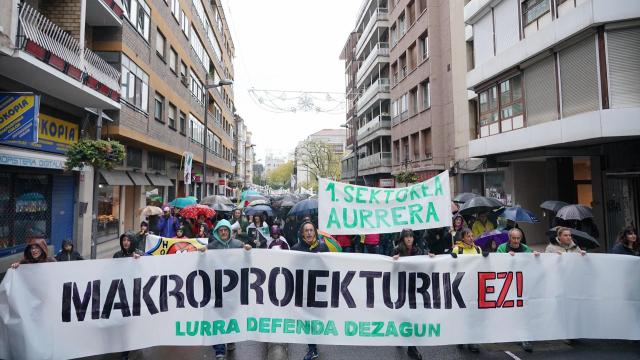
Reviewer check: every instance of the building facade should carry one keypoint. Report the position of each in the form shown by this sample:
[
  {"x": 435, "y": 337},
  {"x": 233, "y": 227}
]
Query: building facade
[
  {"x": 303, "y": 169},
  {"x": 421, "y": 87},
  {"x": 557, "y": 106},
  {"x": 47, "y": 49},
  {"x": 368, "y": 114}
]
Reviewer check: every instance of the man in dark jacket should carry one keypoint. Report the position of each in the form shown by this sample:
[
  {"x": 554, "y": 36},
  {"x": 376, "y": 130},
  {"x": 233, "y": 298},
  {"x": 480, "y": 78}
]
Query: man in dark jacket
[
  {"x": 35, "y": 252},
  {"x": 290, "y": 230},
  {"x": 127, "y": 248},
  {"x": 309, "y": 243},
  {"x": 140, "y": 238},
  {"x": 67, "y": 253}
]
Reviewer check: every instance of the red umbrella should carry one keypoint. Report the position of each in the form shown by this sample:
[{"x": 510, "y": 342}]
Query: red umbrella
[{"x": 193, "y": 211}]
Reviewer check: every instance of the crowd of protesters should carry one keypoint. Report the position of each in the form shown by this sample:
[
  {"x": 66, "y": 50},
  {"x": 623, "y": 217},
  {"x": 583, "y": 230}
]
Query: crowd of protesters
[{"x": 300, "y": 234}]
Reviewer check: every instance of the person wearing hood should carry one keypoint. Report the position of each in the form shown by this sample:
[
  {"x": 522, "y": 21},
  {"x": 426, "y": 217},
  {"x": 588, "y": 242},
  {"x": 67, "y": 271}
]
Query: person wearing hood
[
  {"x": 221, "y": 239},
  {"x": 35, "y": 252},
  {"x": 127, "y": 248},
  {"x": 67, "y": 253},
  {"x": 167, "y": 224},
  {"x": 309, "y": 243},
  {"x": 140, "y": 238},
  {"x": 277, "y": 241},
  {"x": 563, "y": 243}
]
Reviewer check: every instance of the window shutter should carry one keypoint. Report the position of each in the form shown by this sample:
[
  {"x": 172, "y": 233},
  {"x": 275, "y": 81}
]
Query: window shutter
[
  {"x": 506, "y": 18},
  {"x": 483, "y": 39},
  {"x": 579, "y": 78},
  {"x": 541, "y": 101},
  {"x": 624, "y": 67}
]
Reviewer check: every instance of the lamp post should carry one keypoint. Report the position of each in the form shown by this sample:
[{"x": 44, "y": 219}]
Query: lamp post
[
  {"x": 355, "y": 148},
  {"x": 208, "y": 86},
  {"x": 244, "y": 176}
]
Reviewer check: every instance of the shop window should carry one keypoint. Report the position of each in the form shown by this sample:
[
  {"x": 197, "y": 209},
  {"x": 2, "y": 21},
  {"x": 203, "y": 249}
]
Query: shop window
[
  {"x": 534, "y": 9},
  {"x": 582, "y": 180},
  {"x": 25, "y": 208},
  {"x": 156, "y": 162},
  {"x": 108, "y": 211}
]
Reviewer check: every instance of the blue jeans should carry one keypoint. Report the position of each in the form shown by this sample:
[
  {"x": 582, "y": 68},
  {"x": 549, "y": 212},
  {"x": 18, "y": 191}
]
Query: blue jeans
[{"x": 220, "y": 349}]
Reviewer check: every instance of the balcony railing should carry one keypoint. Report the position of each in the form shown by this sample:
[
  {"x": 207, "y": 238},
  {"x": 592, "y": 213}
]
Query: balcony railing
[
  {"x": 379, "y": 86},
  {"x": 381, "y": 159},
  {"x": 379, "y": 122},
  {"x": 380, "y": 49},
  {"x": 49, "y": 43},
  {"x": 379, "y": 14},
  {"x": 399, "y": 118}
]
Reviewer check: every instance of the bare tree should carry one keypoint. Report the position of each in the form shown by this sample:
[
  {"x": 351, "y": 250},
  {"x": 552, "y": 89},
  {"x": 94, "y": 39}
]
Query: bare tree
[{"x": 319, "y": 159}]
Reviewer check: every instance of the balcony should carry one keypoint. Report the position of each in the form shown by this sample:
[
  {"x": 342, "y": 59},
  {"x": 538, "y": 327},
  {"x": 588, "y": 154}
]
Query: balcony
[
  {"x": 379, "y": 17},
  {"x": 104, "y": 13},
  {"x": 399, "y": 118},
  {"x": 381, "y": 159},
  {"x": 222, "y": 133},
  {"x": 380, "y": 52},
  {"x": 51, "y": 61},
  {"x": 380, "y": 86},
  {"x": 380, "y": 122}
]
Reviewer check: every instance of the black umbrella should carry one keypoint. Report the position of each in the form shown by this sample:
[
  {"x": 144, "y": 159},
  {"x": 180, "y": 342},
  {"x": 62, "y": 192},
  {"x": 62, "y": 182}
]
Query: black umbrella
[
  {"x": 304, "y": 207},
  {"x": 258, "y": 209},
  {"x": 553, "y": 205},
  {"x": 479, "y": 204},
  {"x": 584, "y": 240},
  {"x": 574, "y": 212},
  {"x": 464, "y": 197}
]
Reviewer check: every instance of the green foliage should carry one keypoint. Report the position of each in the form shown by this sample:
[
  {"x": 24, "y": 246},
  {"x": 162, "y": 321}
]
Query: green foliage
[
  {"x": 280, "y": 176},
  {"x": 407, "y": 177},
  {"x": 101, "y": 154}
]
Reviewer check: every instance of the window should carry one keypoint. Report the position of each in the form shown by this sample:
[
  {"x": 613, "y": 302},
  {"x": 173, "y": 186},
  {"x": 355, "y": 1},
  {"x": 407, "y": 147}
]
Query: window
[
  {"x": 161, "y": 43},
  {"x": 534, "y": 9},
  {"x": 510, "y": 98},
  {"x": 134, "y": 85},
  {"x": 138, "y": 13},
  {"x": 426, "y": 143},
  {"x": 184, "y": 23},
  {"x": 197, "y": 90},
  {"x": 401, "y": 26},
  {"x": 423, "y": 42},
  {"x": 159, "y": 107},
  {"x": 413, "y": 99},
  {"x": 422, "y": 5},
  {"x": 134, "y": 157},
  {"x": 425, "y": 89},
  {"x": 173, "y": 61},
  {"x": 172, "y": 116},
  {"x": 183, "y": 70},
  {"x": 403, "y": 104},
  {"x": 197, "y": 129},
  {"x": 175, "y": 9},
  {"x": 156, "y": 161},
  {"x": 489, "y": 106},
  {"x": 199, "y": 49},
  {"x": 183, "y": 123},
  {"x": 394, "y": 36},
  {"x": 108, "y": 210}
]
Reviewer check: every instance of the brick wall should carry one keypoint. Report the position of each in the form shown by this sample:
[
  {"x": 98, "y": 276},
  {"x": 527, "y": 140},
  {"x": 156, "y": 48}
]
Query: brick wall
[{"x": 64, "y": 13}]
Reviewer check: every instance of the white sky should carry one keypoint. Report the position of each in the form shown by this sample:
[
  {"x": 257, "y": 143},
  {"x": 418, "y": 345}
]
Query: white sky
[{"x": 288, "y": 45}]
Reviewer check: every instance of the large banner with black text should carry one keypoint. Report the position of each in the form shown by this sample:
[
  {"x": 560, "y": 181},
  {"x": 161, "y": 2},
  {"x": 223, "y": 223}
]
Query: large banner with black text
[{"x": 74, "y": 309}]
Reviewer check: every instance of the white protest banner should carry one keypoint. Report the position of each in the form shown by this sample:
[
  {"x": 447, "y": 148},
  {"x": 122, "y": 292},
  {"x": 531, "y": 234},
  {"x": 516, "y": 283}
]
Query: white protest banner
[
  {"x": 234, "y": 295},
  {"x": 345, "y": 209}
]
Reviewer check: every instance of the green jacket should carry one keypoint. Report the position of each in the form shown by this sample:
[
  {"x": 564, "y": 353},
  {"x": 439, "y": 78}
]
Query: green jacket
[{"x": 504, "y": 248}]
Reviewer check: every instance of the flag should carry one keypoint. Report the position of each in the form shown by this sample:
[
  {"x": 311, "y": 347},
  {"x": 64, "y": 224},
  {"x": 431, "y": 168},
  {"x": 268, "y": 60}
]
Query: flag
[{"x": 331, "y": 243}]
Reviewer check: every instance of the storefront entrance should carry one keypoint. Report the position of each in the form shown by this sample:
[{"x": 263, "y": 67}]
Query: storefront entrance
[{"x": 622, "y": 203}]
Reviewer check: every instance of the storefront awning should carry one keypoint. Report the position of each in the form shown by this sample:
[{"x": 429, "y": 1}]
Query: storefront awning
[
  {"x": 138, "y": 178},
  {"x": 159, "y": 180},
  {"x": 115, "y": 177}
]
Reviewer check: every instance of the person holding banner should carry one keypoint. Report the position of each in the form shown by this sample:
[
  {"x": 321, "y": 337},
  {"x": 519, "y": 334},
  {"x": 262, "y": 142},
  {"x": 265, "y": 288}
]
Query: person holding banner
[
  {"x": 563, "y": 243},
  {"x": 258, "y": 232},
  {"x": 127, "y": 248},
  {"x": 466, "y": 246},
  {"x": 221, "y": 239},
  {"x": 35, "y": 252},
  {"x": 627, "y": 242},
  {"x": 309, "y": 243}
]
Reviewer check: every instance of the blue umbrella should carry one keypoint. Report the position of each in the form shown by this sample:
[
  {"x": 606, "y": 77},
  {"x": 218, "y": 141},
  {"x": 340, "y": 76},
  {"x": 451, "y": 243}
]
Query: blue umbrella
[
  {"x": 183, "y": 202},
  {"x": 304, "y": 207},
  {"x": 518, "y": 214},
  {"x": 258, "y": 209}
]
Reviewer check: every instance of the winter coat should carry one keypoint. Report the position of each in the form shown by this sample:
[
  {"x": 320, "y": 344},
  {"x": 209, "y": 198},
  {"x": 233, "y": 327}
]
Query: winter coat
[
  {"x": 464, "y": 249},
  {"x": 280, "y": 243},
  {"x": 398, "y": 250},
  {"x": 505, "y": 248},
  {"x": 127, "y": 253},
  {"x": 622, "y": 250},
  {"x": 215, "y": 243},
  {"x": 139, "y": 240},
  {"x": 439, "y": 240},
  {"x": 167, "y": 226},
  {"x": 343, "y": 240},
  {"x": 317, "y": 247},
  {"x": 261, "y": 235},
  {"x": 41, "y": 243},
  {"x": 290, "y": 232},
  {"x": 64, "y": 255},
  {"x": 556, "y": 246}
]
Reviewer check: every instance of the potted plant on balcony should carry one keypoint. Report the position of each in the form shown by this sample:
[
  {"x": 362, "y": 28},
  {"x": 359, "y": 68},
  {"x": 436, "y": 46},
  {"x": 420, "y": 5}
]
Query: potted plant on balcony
[{"x": 101, "y": 154}]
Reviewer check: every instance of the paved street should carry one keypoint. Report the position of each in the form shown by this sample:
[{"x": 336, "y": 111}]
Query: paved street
[{"x": 584, "y": 349}]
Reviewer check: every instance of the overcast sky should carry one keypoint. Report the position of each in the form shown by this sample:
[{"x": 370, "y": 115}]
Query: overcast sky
[{"x": 288, "y": 45}]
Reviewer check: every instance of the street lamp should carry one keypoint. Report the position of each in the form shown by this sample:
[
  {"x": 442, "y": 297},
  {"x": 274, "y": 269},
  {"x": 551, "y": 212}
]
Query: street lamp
[
  {"x": 355, "y": 148},
  {"x": 207, "y": 86},
  {"x": 244, "y": 177}
]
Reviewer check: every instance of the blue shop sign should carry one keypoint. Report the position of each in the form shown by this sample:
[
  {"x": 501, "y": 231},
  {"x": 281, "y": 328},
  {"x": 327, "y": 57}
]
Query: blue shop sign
[{"x": 19, "y": 117}]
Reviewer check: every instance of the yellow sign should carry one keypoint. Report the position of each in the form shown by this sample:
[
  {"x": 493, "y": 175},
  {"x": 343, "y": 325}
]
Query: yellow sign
[
  {"x": 57, "y": 130},
  {"x": 166, "y": 246}
]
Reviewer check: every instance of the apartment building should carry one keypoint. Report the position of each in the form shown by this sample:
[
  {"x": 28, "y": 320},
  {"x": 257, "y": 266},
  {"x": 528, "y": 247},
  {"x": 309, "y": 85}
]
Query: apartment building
[
  {"x": 46, "y": 51},
  {"x": 422, "y": 131},
  {"x": 557, "y": 105},
  {"x": 145, "y": 66},
  {"x": 368, "y": 116}
]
